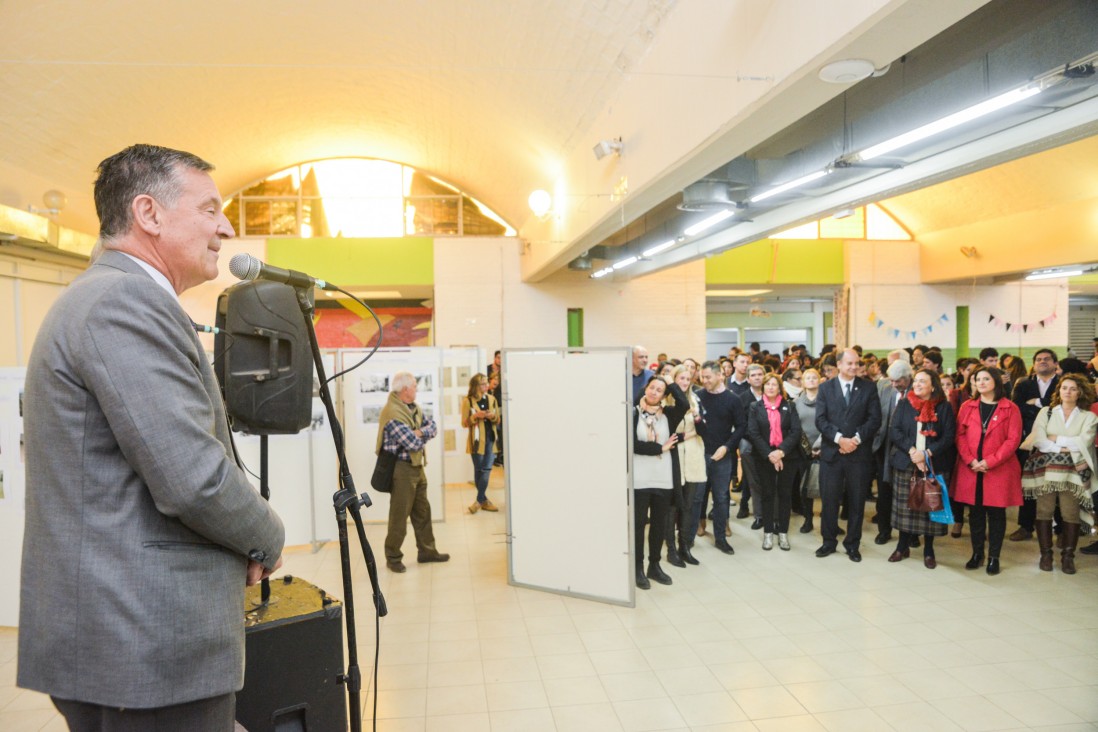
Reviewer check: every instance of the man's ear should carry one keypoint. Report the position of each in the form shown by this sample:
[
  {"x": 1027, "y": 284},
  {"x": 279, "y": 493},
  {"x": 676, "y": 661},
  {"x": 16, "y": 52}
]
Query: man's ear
[{"x": 146, "y": 214}]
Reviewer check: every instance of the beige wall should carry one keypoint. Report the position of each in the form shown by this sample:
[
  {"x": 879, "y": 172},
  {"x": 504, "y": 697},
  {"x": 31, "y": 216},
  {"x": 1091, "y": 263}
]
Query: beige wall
[
  {"x": 27, "y": 290},
  {"x": 480, "y": 299}
]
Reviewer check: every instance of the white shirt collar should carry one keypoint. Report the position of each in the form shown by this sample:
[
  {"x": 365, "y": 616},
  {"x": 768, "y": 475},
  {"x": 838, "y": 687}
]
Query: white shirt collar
[
  {"x": 157, "y": 275},
  {"x": 844, "y": 382}
]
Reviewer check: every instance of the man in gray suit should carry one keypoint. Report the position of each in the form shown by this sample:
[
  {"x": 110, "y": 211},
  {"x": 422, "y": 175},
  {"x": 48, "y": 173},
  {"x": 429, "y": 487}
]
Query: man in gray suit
[
  {"x": 899, "y": 381},
  {"x": 141, "y": 531}
]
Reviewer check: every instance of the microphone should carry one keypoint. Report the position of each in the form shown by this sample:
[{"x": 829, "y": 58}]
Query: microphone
[{"x": 246, "y": 267}]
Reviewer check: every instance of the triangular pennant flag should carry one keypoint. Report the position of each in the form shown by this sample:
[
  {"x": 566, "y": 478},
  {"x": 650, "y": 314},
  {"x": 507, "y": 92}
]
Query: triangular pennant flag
[
  {"x": 1025, "y": 328},
  {"x": 991, "y": 318}
]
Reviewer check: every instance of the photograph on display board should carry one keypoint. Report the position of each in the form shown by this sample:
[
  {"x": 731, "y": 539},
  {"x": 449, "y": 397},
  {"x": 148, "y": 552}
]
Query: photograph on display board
[
  {"x": 449, "y": 440},
  {"x": 425, "y": 382},
  {"x": 464, "y": 373},
  {"x": 447, "y": 377},
  {"x": 373, "y": 383},
  {"x": 371, "y": 414}
]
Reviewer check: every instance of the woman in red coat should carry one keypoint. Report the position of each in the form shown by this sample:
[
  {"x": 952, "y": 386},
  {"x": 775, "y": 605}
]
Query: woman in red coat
[{"x": 989, "y": 478}]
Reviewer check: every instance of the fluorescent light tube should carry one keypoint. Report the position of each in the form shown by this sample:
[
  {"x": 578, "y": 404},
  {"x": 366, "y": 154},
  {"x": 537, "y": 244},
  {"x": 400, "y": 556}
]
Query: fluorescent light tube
[
  {"x": 1054, "y": 275},
  {"x": 790, "y": 185},
  {"x": 708, "y": 223},
  {"x": 947, "y": 123},
  {"x": 602, "y": 272},
  {"x": 625, "y": 262},
  {"x": 659, "y": 248}
]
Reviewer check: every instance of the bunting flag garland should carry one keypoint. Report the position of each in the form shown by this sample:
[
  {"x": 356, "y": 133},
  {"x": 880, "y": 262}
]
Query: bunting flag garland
[
  {"x": 910, "y": 334},
  {"x": 1012, "y": 327}
]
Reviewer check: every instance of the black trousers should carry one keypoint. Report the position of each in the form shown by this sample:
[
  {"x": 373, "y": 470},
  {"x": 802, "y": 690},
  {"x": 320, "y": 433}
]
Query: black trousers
[
  {"x": 839, "y": 479},
  {"x": 775, "y": 491},
  {"x": 650, "y": 505},
  {"x": 215, "y": 714},
  {"x": 995, "y": 528},
  {"x": 884, "y": 507}
]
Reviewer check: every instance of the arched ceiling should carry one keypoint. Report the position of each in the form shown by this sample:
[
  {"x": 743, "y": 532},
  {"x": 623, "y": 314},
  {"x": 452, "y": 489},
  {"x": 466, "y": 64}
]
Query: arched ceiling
[{"x": 478, "y": 93}]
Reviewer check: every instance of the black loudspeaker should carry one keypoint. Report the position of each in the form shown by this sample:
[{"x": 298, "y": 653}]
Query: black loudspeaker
[
  {"x": 293, "y": 661},
  {"x": 263, "y": 359}
]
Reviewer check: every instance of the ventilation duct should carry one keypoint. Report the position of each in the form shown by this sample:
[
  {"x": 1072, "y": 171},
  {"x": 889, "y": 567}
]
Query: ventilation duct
[{"x": 708, "y": 195}]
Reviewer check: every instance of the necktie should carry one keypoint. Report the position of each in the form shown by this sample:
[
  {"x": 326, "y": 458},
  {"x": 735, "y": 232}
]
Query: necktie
[{"x": 846, "y": 395}]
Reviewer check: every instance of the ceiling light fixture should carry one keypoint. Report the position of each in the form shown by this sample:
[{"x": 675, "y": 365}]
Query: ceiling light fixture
[
  {"x": 949, "y": 122},
  {"x": 602, "y": 272},
  {"x": 54, "y": 199},
  {"x": 847, "y": 71},
  {"x": 626, "y": 262},
  {"x": 608, "y": 147},
  {"x": 659, "y": 248},
  {"x": 796, "y": 183},
  {"x": 540, "y": 202},
  {"x": 708, "y": 223},
  {"x": 1054, "y": 274}
]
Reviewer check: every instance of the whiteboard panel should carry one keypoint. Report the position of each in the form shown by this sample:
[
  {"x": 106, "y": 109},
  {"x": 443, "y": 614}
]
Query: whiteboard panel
[
  {"x": 364, "y": 392},
  {"x": 569, "y": 466},
  {"x": 12, "y": 473}
]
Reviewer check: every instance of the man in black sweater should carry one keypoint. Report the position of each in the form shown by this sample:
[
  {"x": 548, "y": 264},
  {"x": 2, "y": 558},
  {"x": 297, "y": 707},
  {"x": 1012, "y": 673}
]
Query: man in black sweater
[{"x": 723, "y": 424}]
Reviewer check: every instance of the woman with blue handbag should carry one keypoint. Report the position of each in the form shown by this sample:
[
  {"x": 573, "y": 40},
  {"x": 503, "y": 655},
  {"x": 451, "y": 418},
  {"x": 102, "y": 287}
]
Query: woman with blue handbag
[{"x": 922, "y": 432}]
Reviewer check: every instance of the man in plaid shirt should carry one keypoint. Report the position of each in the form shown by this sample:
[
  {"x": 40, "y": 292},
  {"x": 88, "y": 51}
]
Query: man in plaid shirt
[{"x": 405, "y": 430}]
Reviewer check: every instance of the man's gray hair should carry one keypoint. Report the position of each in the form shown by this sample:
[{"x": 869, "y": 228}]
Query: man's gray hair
[
  {"x": 755, "y": 367},
  {"x": 401, "y": 381},
  {"x": 899, "y": 370},
  {"x": 899, "y": 354},
  {"x": 138, "y": 170}
]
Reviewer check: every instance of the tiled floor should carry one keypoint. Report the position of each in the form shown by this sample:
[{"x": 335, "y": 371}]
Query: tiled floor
[{"x": 761, "y": 641}]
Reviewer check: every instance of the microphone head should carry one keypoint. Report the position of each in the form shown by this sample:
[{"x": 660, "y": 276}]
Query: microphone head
[{"x": 244, "y": 266}]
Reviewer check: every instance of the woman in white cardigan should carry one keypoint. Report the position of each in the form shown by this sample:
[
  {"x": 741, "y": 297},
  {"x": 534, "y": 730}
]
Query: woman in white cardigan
[
  {"x": 691, "y": 452},
  {"x": 1061, "y": 466}
]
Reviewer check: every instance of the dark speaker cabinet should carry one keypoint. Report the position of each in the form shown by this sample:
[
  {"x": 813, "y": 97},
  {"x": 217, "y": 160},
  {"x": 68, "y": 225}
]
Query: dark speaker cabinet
[{"x": 294, "y": 657}]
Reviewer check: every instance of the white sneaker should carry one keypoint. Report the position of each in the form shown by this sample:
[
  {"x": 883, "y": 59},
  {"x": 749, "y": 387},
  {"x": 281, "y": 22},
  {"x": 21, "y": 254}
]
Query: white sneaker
[
  {"x": 768, "y": 542},
  {"x": 783, "y": 542}
]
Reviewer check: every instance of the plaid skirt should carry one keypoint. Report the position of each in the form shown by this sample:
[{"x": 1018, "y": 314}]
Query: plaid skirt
[{"x": 903, "y": 518}]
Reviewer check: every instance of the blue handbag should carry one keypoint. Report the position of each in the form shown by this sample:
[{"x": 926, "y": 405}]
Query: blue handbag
[{"x": 944, "y": 515}]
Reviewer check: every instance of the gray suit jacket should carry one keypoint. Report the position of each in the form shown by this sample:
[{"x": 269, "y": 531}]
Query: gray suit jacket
[{"x": 138, "y": 522}]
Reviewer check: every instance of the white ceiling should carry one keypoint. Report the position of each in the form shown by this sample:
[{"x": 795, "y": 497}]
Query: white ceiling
[{"x": 477, "y": 92}]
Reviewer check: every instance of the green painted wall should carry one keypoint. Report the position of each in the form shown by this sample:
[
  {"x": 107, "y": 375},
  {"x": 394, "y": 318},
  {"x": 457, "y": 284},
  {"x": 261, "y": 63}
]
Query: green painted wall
[
  {"x": 375, "y": 262},
  {"x": 779, "y": 261},
  {"x": 575, "y": 327}
]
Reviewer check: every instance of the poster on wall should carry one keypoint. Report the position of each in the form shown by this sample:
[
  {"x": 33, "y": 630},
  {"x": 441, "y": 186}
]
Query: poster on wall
[
  {"x": 343, "y": 323},
  {"x": 13, "y": 454}
]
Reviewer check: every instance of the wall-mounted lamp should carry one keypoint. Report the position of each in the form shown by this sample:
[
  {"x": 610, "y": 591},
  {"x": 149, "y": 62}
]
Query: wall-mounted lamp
[
  {"x": 540, "y": 202},
  {"x": 54, "y": 199},
  {"x": 608, "y": 147}
]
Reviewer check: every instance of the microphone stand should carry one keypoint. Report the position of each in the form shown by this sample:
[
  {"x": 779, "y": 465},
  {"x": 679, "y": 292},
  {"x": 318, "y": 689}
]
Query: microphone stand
[{"x": 345, "y": 500}]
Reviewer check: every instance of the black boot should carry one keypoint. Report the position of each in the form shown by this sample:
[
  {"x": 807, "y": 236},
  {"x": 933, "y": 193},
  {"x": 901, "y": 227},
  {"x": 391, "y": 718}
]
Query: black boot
[
  {"x": 655, "y": 572},
  {"x": 684, "y": 552},
  {"x": 642, "y": 581},
  {"x": 673, "y": 556},
  {"x": 809, "y": 510}
]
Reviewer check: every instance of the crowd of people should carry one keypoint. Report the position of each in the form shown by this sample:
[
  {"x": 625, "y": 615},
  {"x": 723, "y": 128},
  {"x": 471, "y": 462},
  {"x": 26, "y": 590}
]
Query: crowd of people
[{"x": 780, "y": 430}]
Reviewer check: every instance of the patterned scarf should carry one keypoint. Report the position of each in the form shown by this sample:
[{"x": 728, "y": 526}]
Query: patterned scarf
[
  {"x": 925, "y": 414},
  {"x": 775, "y": 419},
  {"x": 650, "y": 418}
]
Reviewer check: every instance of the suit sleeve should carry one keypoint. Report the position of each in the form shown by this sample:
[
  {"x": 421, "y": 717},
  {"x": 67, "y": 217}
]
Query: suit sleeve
[
  {"x": 823, "y": 417},
  {"x": 867, "y": 430},
  {"x": 147, "y": 374}
]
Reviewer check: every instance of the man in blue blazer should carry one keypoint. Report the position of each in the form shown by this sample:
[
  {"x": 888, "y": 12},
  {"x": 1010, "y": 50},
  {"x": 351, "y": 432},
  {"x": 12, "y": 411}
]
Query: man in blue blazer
[
  {"x": 848, "y": 415},
  {"x": 141, "y": 531}
]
